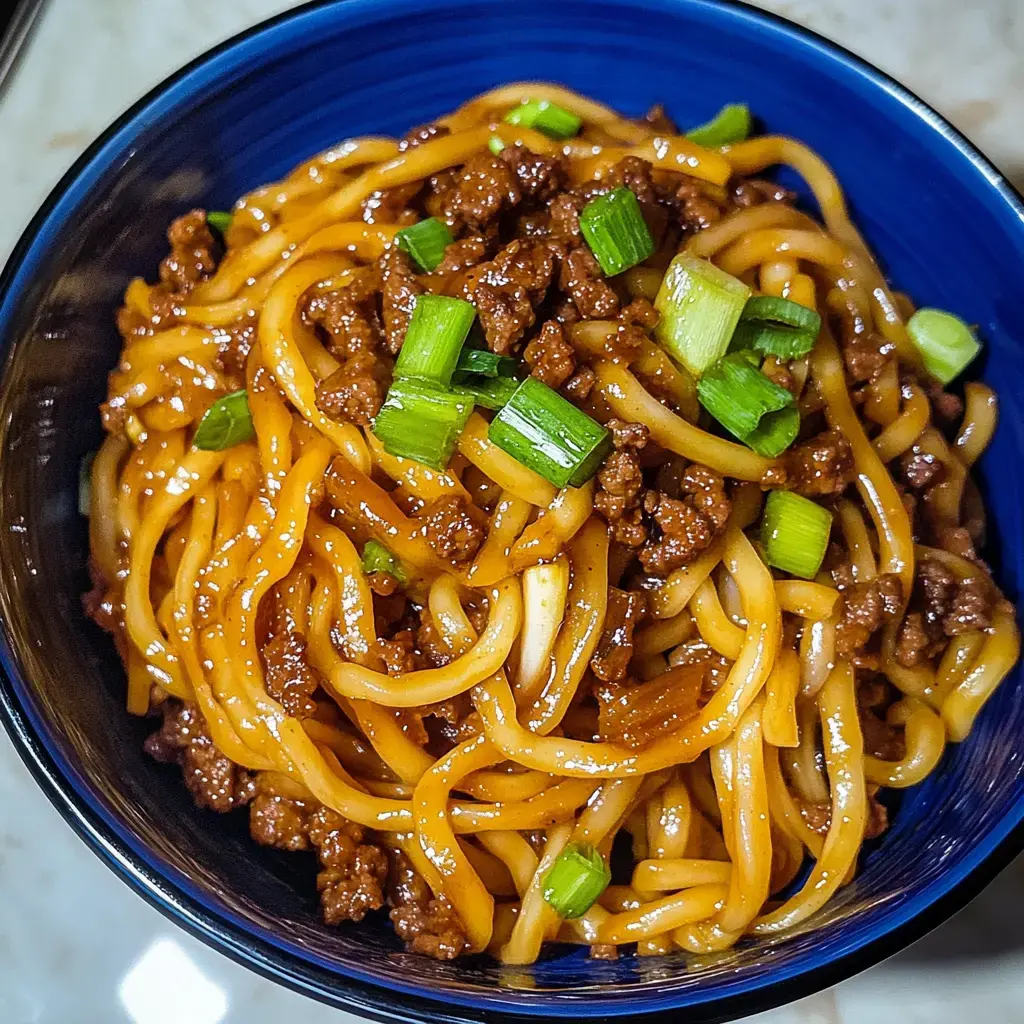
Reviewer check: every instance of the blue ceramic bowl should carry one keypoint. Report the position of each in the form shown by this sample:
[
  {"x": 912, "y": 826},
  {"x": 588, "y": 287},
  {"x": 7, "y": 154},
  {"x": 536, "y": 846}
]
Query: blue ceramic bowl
[{"x": 947, "y": 227}]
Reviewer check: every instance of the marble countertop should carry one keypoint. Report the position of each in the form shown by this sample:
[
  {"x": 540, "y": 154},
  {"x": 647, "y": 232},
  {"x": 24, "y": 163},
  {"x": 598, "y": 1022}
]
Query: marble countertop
[{"x": 76, "y": 945}]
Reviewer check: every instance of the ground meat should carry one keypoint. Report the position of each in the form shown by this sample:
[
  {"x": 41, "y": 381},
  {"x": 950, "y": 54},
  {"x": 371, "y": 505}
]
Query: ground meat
[
  {"x": 580, "y": 385},
  {"x": 354, "y": 867},
  {"x": 233, "y": 346},
  {"x": 506, "y": 290},
  {"x": 191, "y": 257},
  {"x": 865, "y": 607},
  {"x": 874, "y": 697},
  {"x": 482, "y": 189},
  {"x": 604, "y": 951},
  {"x": 347, "y": 318},
  {"x": 947, "y": 408},
  {"x": 539, "y": 177},
  {"x": 864, "y": 355},
  {"x": 755, "y": 191},
  {"x": 618, "y": 498},
  {"x": 687, "y": 526},
  {"x": 583, "y": 279},
  {"x": 355, "y": 391},
  {"x": 878, "y": 817},
  {"x": 696, "y": 210},
  {"x": 278, "y": 821},
  {"x": 657, "y": 119},
  {"x": 399, "y": 653},
  {"x": 288, "y": 675},
  {"x": 919, "y": 469},
  {"x": 215, "y": 782},
  {"x": 821, "y": 466},
  {"x": 425, "y": 133},
  {"x": 915, "y": 643},
  {"x": 627, "y": 435},
  {"x": 971, "y": 608},
  {"x": 955, "y": 539},
  {"x": 382, "y": 583},
  {"x": 564, "y": 213},
  {"x": 615, "y": 648},
  {"x": 391, "y": 205},
  {"x": 398, "y": 298},
  {"x": 550, "y": 357},
  {"x": 454, "y": 529},
  {"x": 425, "y": 923},
  {"x": 463, "y": 254}
]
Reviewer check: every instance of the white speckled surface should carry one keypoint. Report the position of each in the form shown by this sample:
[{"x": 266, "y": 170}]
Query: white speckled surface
[{"x": 76, "y": 946}]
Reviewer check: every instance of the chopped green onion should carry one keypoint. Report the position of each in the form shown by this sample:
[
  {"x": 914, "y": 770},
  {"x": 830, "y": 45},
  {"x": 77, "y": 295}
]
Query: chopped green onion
[
  {"x": 576, "y": 880},
  {"x": 226, "y": 423},
  {"x": 490, "y": 392},
  {"x": 85, "y": 484},
  {"x": 700, "y": 306},
  {"x": 434, "y": 338},
  {"x": 377, "y": 558},
  {"x": 616, "y": 231},
  {"x": 220, "y": 220},
  {"x": 495, "y": 145},
  {"x": 775, "y": 433},
  {"x": 549, "y": 435},
  {"x": 731, "y": 124},
  {"x": 744, "y": 400},
  {"x": 794, "y": 533},
  {"x": 549, "y": 118},
  {"x": 422, "y": 421},
  {"x": 425, "y": 241},
  {"x": 945, "y": 342},
  {"x": 777, "y": 327},
  {"x": 483, "y": 363}
]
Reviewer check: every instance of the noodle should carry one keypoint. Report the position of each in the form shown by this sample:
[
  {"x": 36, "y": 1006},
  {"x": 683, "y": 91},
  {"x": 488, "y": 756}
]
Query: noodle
[{"x": 449, "y": 681}]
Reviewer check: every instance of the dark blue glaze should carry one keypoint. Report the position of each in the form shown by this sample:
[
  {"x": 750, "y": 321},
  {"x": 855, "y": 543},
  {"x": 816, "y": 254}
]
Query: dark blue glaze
[{"x": 948, "y": 229}]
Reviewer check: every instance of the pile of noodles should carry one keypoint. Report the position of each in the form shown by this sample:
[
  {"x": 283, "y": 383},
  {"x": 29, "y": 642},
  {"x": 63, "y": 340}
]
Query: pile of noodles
[{"x": 198, "y": 539}]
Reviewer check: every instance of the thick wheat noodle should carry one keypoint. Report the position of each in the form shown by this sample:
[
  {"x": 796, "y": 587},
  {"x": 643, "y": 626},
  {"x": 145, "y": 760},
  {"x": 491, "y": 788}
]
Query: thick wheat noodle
[{"x": 207, "y": 556}]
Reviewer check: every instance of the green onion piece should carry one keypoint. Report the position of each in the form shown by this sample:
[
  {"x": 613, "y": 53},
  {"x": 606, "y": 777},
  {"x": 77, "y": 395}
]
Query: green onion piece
[
  {"x": 85, "y": 484},
  {"x": 777, "y": 327},
  {"x": 425, "y": 241},
  {"x": 700, "y": 307},
  {"x": 495, "y": 145},
  {"x": 775, "y": 433},
  {"x": 434, "y": 339},
  {"x": 794, "y": 533},
  {"x": 219, "y": 220},
  {"x": 226, "y": 423},
  {"x": 616, "y": 231},
  {"x": 945, "y": 342},
  {"x": 731, "y": 124},
  {"x": 549, "y": 435},
  {"x": 576, "y": 880},
  {"x": 549, "y": 118},
  {"x": 377, "y": 558},
  {"x": 483, "y": 363},
  {"x": 422, "y": 421},
  {"x": 490, "y": 392},
  {"x": 740, "y": 397}
]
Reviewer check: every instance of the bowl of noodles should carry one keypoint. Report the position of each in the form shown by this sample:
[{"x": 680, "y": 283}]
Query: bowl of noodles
[{"x": 535, "y": 541}]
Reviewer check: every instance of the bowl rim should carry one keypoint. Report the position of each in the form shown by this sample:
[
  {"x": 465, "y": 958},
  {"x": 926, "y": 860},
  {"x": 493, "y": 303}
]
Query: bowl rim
[{"x": 109, "y": 838}]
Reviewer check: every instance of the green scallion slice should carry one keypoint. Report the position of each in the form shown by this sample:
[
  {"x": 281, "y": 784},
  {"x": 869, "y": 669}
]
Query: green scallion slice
[
  {"x": 794, "y": 533},
  {"x": 775, "y": 433},
  {"x": 422, "y": 421},
  {"x": 425, "y": 241},
  {"x": 377, "y": 558},
  {"x": 226, "y": 423},
  {"x": 549, "y": 435},
  {"x": 483, "y": 363},
  {"x": 700, "y": 306},
  {"x": 746, "y": 403},
  {"x": 576, "y": 880},
  {"x": 549, "y": 118},
  {"x": 777, "y": 327},
  {"x": 435, "y": 336},
  {"x": 219, "y": 220},
  {"x": 945, "y": 342},
  {"x": 731, "y": 124},
  {"x": 495, "y": 145},
  {"x": 616, "y": 231},
  {"x": 490, "y": 392}
]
